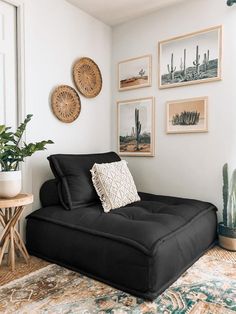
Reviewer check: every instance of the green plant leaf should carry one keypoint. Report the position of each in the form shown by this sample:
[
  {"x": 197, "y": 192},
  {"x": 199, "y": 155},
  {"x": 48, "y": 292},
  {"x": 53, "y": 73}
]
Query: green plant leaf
[
  {"x": 2, "y": 128},
  {"x": 12, "y": 150}
]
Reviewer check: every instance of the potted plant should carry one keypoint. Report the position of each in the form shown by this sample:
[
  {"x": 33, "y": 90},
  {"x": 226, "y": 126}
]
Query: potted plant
[
  {"x": 227, "y": 228},
  {"x": 12, "y": 152}
]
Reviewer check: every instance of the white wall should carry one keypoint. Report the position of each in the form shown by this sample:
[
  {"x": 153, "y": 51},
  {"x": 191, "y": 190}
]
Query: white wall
[
  {"x": 187, "y": 165},
  {"x": 56, "y": 34}
]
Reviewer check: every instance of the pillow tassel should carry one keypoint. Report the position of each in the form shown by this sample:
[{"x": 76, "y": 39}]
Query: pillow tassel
[{"x": 99, "y": 189}]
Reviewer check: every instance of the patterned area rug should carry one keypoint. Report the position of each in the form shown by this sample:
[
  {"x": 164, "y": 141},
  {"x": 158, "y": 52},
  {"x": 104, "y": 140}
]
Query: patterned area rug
[
  {"x": 208, "y": 287},
  {"x": 22, "y": 269}
]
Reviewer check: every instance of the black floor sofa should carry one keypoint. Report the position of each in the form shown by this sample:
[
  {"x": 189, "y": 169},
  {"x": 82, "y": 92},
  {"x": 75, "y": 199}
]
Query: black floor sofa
[{"x": 141, "y": 248}]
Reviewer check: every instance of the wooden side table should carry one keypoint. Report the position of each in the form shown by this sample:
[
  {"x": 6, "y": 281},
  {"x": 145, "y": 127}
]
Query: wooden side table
[{"x": 11, "y": 210}]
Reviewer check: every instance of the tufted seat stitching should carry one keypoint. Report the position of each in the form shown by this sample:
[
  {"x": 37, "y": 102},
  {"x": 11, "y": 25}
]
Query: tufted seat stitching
[{"x": 145, "y": 249}]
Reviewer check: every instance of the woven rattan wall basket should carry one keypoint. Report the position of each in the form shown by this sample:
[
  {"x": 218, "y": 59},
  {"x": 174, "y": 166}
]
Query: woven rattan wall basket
[
  {"x": 87, "y": 77},
  {"x": 66, "y": 103}
]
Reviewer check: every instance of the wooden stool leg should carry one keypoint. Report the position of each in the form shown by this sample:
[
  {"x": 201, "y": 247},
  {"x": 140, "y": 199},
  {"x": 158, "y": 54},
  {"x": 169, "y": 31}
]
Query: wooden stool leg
[
  {"x": 24, "y": 253},
  {"x": 12, "y": 249},
  {"x": 10, "y": 214},
  {"x": 22, "y": 245},
  {"x": 9, "y": 254},
  {"x": 2, "y": 221},
  {"x": 2, "y": 250}
]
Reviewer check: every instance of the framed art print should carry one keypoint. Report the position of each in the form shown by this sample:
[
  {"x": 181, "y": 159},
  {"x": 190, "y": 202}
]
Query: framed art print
[
  {"x": 187, "y": 115},
  {"x": 190, "y": 59},
  {"x": 134, "y": 73},
  {"x": 136, "y": 135}
]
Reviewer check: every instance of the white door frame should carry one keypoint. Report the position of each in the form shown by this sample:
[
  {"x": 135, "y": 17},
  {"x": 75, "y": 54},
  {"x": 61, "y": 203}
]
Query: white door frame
[
  {"x": 20, "y": 54},
  {"x": 20, "y": 31}
]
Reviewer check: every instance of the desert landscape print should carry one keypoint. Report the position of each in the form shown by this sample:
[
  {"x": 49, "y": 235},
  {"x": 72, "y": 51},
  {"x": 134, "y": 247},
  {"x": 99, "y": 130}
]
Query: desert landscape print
[
  {"x": 134, "y": 73},
  {"x": 188, "y": 115},
  {"x": 190, "y": 59},
  {"x": 135, "y": 129},
  {"x": 135, "y": 80}
]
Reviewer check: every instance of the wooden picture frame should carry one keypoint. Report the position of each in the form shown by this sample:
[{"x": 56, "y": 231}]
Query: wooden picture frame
[
  {"x": 136, "y": 116},
  {"x": 187, "y": 115},
  {"x": 190, "y": 59},
  {"x": 135, "y": 73}
]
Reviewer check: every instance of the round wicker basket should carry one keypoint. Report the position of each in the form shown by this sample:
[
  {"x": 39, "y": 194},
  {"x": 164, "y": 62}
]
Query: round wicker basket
[
  {"x": 87, "y": 77},
  {"x": 66, "y": 103}
]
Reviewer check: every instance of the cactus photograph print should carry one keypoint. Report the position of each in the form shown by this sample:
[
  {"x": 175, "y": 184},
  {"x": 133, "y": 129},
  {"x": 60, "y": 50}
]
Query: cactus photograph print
[
  {"x": 191, "y": 59},
  {"x": 187, "y": 115},
  {"x": 136, "y": 127},
  {"x": 134, "y": 73}
]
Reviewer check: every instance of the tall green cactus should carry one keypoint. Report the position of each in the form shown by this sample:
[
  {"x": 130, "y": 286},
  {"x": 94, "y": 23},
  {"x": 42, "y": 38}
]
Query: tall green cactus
[
  {"x": 225, "y": 192},
  {"x": 231, "y": 221},
  {"x": 196, "y": 62},
  {"x": 138, "y": 128},
  {"x": 171, "y": 69}
]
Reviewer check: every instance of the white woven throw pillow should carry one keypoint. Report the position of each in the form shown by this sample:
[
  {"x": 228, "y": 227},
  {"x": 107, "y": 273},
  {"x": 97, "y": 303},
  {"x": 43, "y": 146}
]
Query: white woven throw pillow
[{"x": 114, "y": 184}]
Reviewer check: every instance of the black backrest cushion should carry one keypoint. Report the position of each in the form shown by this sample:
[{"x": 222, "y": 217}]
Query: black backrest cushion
[
  {"x": 75, "y": 181},
  {"x": 49, "y": 193}
]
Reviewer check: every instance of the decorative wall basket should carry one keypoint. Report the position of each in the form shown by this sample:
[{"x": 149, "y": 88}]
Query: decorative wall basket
[
  {"x": 66, "y": 103},
  {"x": 87, "y": 77}
]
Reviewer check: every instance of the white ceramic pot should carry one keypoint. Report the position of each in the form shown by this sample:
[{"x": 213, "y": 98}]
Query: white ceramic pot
[{"x": 10, "y": 183}]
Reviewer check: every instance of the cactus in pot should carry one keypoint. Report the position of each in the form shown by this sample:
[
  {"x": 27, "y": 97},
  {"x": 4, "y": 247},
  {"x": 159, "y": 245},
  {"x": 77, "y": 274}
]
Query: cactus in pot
[
  {"x": 227, "y": 228},
  {"x": 225, "y": 192},
  {"x": 231, "y": 206}
]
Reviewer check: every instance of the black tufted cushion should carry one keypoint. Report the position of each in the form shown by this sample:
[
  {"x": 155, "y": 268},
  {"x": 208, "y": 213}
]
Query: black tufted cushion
[
  {"x": 75, "y": 186},
  {"x": 140, "y": 248},
  {"x": 143, "y": 223}
]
